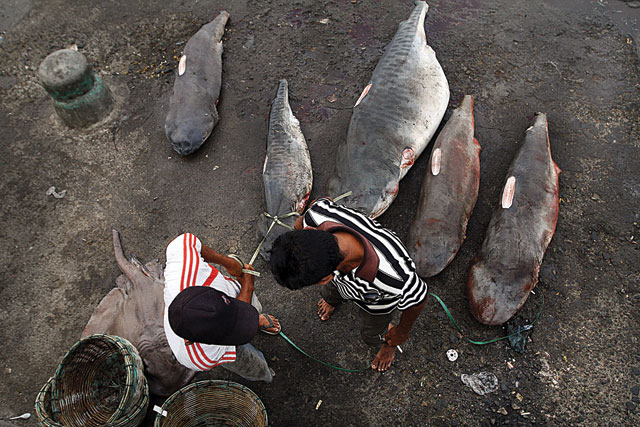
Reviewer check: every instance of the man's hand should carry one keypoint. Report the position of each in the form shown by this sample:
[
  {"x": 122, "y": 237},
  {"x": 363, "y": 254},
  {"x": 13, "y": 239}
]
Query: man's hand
[
  {"x": 246, "y": 278},
  {"x": 396, "y": 336},
  {"x": 399, "y": 334},
  {"x": 246, "y": 282}
]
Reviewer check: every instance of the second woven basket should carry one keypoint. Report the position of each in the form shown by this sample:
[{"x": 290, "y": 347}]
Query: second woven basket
[{"x": 212, "y": 403}]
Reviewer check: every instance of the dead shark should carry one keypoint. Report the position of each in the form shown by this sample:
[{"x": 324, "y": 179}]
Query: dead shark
[
  {"x": 393, "y": 120},
  {"x": 522, "y": 224},
  {"x": 192, "y": 105},
  {"x": 448, "y": 195},
  {"x": 286, "y": 174}
]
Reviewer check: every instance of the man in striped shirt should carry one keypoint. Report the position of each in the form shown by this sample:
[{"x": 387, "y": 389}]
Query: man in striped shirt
[
  {"x": 353, "y": 258},
  {"x": 198, "y": 300}
]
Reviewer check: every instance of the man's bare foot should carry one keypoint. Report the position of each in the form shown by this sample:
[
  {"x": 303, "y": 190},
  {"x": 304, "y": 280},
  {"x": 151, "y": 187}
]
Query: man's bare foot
[
  {"x": 384, "y": 358},
  {"x": 385, "y": 355},
  {"x": 325, "y": 310}
]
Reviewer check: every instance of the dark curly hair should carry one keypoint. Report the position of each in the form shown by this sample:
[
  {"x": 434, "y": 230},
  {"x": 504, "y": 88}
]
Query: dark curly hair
[{"x": 303, "y": 257}]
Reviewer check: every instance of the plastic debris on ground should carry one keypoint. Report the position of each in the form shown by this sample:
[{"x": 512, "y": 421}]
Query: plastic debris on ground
[
  {"x": 52, "y": 192},
  {"x": 24, "y": 416},
  {"x": 452, "y": 355},
  {"x": 521, "y": 330},
  {"x": 481, "y": 383}
]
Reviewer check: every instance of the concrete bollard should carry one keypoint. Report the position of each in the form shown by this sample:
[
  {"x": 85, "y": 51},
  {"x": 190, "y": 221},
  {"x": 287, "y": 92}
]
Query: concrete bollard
[{"x": 80, "y": 97}]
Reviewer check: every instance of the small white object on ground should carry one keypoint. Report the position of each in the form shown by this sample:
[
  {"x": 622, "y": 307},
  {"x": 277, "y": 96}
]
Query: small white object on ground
[
  {"x": 452, "y": 355},
  {"x": 24, "y": 416},
  {"x": 52, "y": 192},
  {"x": 319, "y": 403}
]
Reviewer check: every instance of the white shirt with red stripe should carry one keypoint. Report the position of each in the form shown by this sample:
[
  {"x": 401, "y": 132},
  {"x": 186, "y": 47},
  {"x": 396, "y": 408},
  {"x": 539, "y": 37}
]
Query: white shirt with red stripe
[{"x": 185, "y": 267}]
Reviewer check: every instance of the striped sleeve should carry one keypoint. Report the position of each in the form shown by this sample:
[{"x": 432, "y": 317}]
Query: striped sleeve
[{"x": 414, "y": 293}]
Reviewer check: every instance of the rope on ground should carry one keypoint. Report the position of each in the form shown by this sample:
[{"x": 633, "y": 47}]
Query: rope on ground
[
  {"x": 527, "y": 327},
  {"x": 318, "y": 360}
]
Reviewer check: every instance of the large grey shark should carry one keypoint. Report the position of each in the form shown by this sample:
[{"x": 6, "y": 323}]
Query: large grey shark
[
  {"x": 393, "y": 120},
  {"x": 287, "y": 174},
  {"x": 192, "y": 105},
  {"x": 521, "y": 227}
]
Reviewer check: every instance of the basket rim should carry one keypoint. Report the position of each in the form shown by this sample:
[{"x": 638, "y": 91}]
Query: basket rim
[
  {"x": 130, "y": 354},
  {"x": 43, "y": 416},
  {"x": 203, "y": 383},
  {"x": 140, "y": 407}
]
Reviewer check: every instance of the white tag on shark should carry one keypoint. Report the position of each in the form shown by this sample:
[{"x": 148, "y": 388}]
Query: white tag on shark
[
  {"x": 507, "y": 193},
  {"x": 435, "y": 161},
  {"x": 182, "y": 66},
  {"x": 364, "y": 93}
]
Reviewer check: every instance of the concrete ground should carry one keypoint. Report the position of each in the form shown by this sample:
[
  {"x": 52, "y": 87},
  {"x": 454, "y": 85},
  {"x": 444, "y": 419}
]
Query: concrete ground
[{"x": 575, "y": 60}]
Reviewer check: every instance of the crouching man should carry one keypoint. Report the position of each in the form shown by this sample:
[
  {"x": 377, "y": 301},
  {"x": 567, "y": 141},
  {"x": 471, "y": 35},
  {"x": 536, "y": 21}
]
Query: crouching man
[
  {"x": 209, "y": 319},
  {"x": 353, "y": 258}
]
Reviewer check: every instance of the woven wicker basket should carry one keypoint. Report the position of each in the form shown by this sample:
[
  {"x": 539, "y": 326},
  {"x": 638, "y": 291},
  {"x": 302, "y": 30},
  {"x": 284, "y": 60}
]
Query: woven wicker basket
[
  {"x": 100, "y": 381},
  {"x": 212, "y": 403},
  {"x": 45, "y": 415}
]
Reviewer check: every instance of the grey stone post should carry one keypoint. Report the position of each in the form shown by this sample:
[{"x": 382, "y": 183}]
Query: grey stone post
[{"x": 79, "y": 96}]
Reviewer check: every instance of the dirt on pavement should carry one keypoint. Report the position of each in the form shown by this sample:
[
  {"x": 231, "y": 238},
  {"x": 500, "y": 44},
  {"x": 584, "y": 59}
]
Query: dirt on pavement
[{"x": 577, "y": 61}]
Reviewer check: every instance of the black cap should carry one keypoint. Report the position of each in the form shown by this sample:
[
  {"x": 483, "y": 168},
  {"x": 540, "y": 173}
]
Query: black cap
[{"x": 205, "y": 315}]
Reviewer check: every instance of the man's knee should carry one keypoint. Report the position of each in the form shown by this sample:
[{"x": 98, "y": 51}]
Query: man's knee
[{"x": 250, "y": 364}]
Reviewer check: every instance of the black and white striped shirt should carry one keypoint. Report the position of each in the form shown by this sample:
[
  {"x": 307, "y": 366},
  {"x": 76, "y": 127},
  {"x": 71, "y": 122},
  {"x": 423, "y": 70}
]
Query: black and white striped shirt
[{"x": 396, "y": 283}]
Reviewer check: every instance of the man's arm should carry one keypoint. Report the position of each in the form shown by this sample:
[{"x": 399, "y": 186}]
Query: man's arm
[
  {"x": 231, "y": 265},
  {"x": 235, "y": 269},
  {"x": 399, "y": 334}
]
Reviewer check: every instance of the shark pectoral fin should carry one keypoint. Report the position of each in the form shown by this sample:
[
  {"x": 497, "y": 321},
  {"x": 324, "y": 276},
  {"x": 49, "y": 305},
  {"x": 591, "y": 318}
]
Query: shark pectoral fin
[{"x": 106, "y": 313}]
